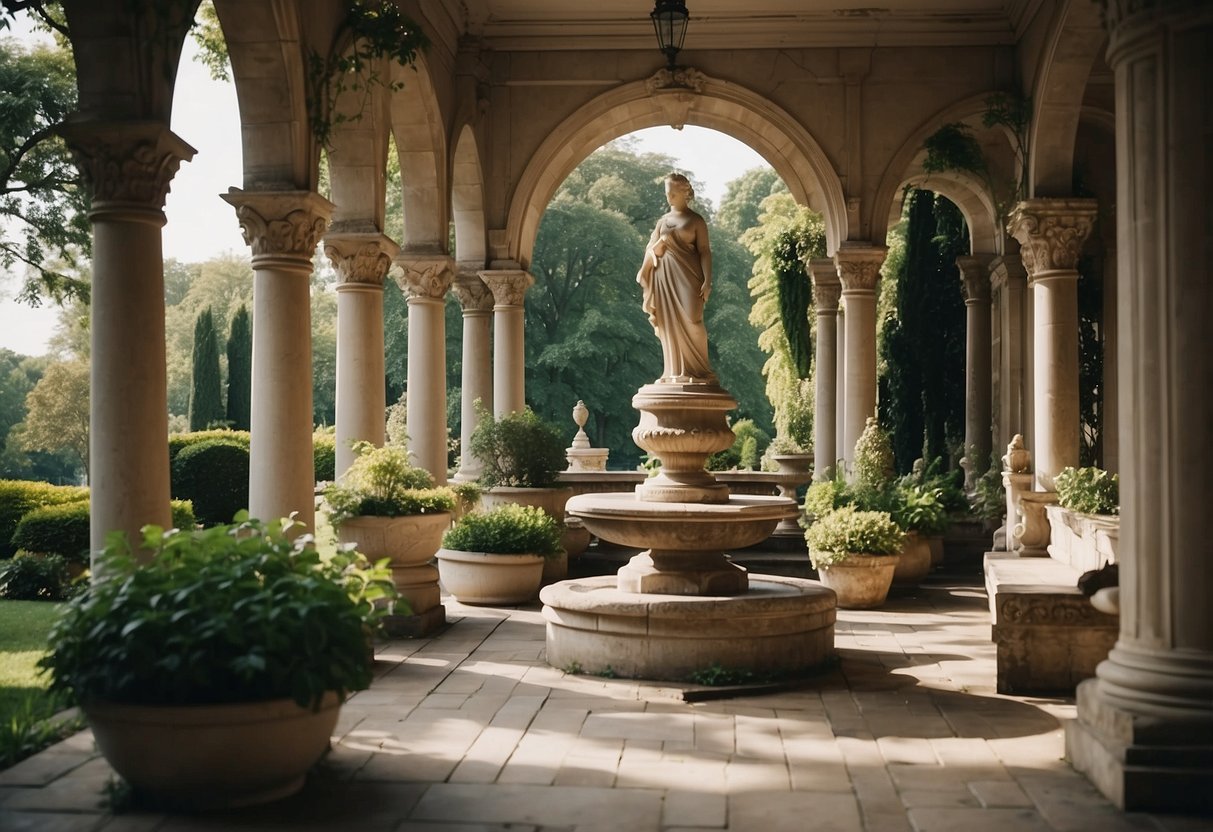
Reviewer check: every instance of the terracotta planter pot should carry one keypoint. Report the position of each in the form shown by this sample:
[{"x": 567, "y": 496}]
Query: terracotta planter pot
[
  {"x": 860, "y": 581},
  {"x": 485, "y": 578},
  {"x": 935, "y": 542},
  {"x": 915, "y": 561},
  {"x": 213, "y": 756},
  {"x": 411, "y": 540}
]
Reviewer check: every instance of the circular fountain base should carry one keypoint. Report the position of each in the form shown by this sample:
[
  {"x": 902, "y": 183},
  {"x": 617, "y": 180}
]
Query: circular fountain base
[{"x": 781, "y": 626}]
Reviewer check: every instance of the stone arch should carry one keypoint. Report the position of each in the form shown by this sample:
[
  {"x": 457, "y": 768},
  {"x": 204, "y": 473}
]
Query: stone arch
[
  {"x": 264, "y": 41},
  {"x": 721, "y": 105},
  {"x": 416, "y": 124},
  {"x": 467, "y": 199},
  {"x": 970, "y": 194},
  {"x": 1075, "y": 40}
]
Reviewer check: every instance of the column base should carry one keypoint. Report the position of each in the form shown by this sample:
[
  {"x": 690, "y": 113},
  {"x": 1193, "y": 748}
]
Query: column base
[{"x": 1142, "y": 762}]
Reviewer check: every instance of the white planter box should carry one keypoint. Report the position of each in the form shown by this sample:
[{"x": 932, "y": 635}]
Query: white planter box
[{"x": 1082, "y": 541}]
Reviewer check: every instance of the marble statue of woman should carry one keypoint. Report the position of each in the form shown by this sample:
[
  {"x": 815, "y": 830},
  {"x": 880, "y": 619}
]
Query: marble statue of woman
[{"x": 676, "y": 277}]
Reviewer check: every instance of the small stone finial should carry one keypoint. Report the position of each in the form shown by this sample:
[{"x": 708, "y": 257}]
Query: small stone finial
[
  {"x": 580, "y": 455},
  {"x": 1017, "y": 460},
  {"x": 580, "y": 415}
]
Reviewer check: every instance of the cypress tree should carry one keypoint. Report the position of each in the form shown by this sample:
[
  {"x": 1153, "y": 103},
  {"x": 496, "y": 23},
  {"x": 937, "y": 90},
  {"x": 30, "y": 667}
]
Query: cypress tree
[
  {"x": 206, "y": 397},
  {"x": 792, "y": 285},
  {"x": 944, "y": 324},
  {"x": 240, "y": 370}
]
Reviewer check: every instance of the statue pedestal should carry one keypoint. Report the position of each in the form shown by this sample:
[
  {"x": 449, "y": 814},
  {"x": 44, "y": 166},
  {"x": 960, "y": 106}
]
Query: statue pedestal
[{"x": 682, "y": 424}]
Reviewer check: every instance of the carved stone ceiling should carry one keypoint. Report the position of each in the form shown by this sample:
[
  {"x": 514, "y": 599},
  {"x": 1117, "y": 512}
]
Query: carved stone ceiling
[{"x": 716, "y": 24}]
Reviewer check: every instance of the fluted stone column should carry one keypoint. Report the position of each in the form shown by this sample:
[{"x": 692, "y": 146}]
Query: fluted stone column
[
  {"x": 827, "y": 289},
  {"x": 509, "y": 345},
  {"x": 477, "y": 303},
  {"x": 1144, "y": 732},
  {"x": 426, "y": 281},
  {"x": 840, "y": 373},
  {"x": 1111, "y": 370},
  {"x": 361, "y": 261},
  {"x": 976, "y": 281},
  {"x": 859, "y": 271},
  {"x": 1008, "y": 281},
  {"x": 1052, "y": 232},
  {"x": 282, "y": 228},
  {"x": 127, "y": 169}
]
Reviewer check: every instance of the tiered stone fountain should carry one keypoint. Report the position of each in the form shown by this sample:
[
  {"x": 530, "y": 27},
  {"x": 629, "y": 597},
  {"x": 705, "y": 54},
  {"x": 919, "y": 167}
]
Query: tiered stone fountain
[{"x": 681, "y": 605}]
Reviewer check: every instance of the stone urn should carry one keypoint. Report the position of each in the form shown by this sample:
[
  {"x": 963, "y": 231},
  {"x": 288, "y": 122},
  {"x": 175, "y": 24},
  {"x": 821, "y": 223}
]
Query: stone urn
[
  {"x": 860, "y": 581},
  {"x": 204, "y": 757},
  {"x": 487, "y": 578},
  {"x": 915, "y": 561},
  {"x": 794, "y": 471}
]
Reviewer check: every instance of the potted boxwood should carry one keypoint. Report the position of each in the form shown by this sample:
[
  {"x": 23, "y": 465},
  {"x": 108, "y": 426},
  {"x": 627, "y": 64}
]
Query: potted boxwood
[
  {"x": 212, "y": 674},
  {"x": 497, "y": 556},
  {"x": 387, "y": 508},
  {"x": 855, "y": 553}
]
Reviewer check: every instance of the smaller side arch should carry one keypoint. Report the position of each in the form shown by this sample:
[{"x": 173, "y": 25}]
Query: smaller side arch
[
  {"x": 467, "y": 199},
  {"x": 416, "y": 124},
  {"x": 969, "y": 195}
]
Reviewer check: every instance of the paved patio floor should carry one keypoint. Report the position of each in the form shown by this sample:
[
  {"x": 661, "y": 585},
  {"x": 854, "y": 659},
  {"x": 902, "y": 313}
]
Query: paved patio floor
[{"x": 470, "y": 731}]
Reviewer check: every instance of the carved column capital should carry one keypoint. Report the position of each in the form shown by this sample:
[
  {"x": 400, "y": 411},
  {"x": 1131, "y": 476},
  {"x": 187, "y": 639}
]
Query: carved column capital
[
  {"x": 507, "y": 285},
  {"x": 974, "y": 278},
  {"x": 474, "y": 296},
  {"x": 126, "y": 165},
  {"x": 360, "y": 258},
  {"x": 280, "y": 223},
  {"x": 827, "y": 288},
  {"x": 1052, "y": 232},
  {"x": 859, "y": 266},
  {"x": 426, "y": 276}
]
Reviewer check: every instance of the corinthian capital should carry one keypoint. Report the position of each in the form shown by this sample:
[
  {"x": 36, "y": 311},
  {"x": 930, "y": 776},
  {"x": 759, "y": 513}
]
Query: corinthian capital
[
  {"x": 507, "y": 285},
  {"x": 859, "y": 266},
  {"x": 473, "y": 294},
  {"x": 827, "y": 288},
  {"x": 280, "y": 223},
  {"x": 974, "y": 278},
  {"x": 1052, "y": 232},
  {"x": 127, "y": 165},
  {"x": 360, "y": 257},
  {"x": 426, "y": 276}
]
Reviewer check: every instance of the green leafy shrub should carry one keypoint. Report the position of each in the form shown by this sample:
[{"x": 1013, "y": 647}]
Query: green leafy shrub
[
  {"x": 64, "y": 529},
  {"x": 848, "y": 531},
  {"x": 518, "y": 450},
  {"x": 873, "y": 460},
  {"x": 467, "y": 497},
  {"x": 19, "y": 497},
  {"x": 1088, "y": 490},
  {"x": 826, "y": 495},
  {"x": 381, "y": 483},
  {"x": 237, "y": 613},
  {"x": 920, "y": 509},
  {"x": 179, "y": 441},
  {"x": 508, "y": 530},
  {"x": 29, "y": 577},
  {"x": 324, "y": 456},
  {"x": 746, "y": 434},
  {"x": 214, "y": 476},
  {"x": 989, "y": 501}
]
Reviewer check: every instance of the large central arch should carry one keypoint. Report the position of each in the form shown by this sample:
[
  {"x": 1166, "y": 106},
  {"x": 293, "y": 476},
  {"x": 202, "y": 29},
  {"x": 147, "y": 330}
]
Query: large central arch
[{"x": 721, "y": 105}]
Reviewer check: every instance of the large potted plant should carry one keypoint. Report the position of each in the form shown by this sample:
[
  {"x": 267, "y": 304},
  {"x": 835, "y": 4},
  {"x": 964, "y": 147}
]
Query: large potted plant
[
  {"x": 212, "y": 674},
  {"x": 921, "y": 514},
  {"x": 855, "y": 553},
  {"x": 497, "y": 556},
  {"x": 386, "y": 508},
  {"x": 1084, "y": 527}
]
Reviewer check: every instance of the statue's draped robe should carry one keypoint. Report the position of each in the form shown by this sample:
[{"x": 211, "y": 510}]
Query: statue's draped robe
[{"x": 674, "y": 302}]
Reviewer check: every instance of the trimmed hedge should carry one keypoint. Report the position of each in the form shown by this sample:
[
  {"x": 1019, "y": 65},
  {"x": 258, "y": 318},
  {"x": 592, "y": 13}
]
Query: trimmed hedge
[
  {"x": 34, "y": 578},
  {"x": 324, "y": 456},
  {"x": 19, "y": 497},
  {"x": 214, "y": 475},
  {"x": 64, "y": 529},
  {"x": 177, "y": 442}
]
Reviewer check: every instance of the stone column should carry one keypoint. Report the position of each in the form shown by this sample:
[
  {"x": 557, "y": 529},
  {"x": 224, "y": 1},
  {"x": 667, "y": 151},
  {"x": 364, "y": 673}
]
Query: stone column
[
  {"x": 509, "y": 346},
  {"x": 840, "y": 373},
  {"x": 1111, "y": 375},
  {"x": 1008, "y": 280},
  {"x": 361, "y": 260},
  {"x": 826, "y": 292},
  {"x": 859, "y": 271},
  {"x": 1052, "y": 232},
  {"x": 976, "y": 281},
  {"x": 282, "y": 228},
  {"x": 127, "y": 169},
  {"x": 1144, "y": 732},
  {"x": 426, "y": 281},
  {"x": 477, "y": 303}
]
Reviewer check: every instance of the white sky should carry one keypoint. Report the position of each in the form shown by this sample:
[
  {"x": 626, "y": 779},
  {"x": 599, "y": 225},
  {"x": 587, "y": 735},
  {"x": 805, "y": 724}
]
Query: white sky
[{"x": 200, "y": 225}]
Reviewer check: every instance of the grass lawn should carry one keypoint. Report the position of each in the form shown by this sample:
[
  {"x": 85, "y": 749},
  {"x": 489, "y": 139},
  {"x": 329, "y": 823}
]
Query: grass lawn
[{"x": 23, "y": 699}]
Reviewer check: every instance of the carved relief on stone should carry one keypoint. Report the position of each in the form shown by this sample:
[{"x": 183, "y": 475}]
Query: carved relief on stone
[
  {"x": 126, "y": 163},
  {"x": 680, "y": 78},
  {"x": 507, "y": 285},
  {"x": 288, "y": 223},
  {"x": 1052, "y": 232},
  {"x": 473, "y": 294},
  {"x": 427, "y": 277},
  {"x": 827, "y": 288},
  {"x": 1035, "y": 609},
  {"x": 975, "y": 279},
  {"x": 859, "y": 269},
  {"x": 360, "y": 258}
]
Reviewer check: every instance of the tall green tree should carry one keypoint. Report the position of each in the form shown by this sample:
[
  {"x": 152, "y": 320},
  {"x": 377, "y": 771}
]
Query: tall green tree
[
  {"x": 206, "y": 397},
  {"x": 44, "y": 228},
  {"x": 240, "y": 370},
  {"x": 57, "y": 413},
  {"x": 742, "y": 203}
]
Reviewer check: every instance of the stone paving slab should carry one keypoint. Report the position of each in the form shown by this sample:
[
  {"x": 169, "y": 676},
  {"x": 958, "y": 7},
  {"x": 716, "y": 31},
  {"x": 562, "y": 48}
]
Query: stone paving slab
[{"x": 469, "y": 731}]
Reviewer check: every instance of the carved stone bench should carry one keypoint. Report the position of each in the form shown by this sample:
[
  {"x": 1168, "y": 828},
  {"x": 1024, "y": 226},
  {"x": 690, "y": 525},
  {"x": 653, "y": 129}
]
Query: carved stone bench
[{"x": 1047, "y": 635}]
